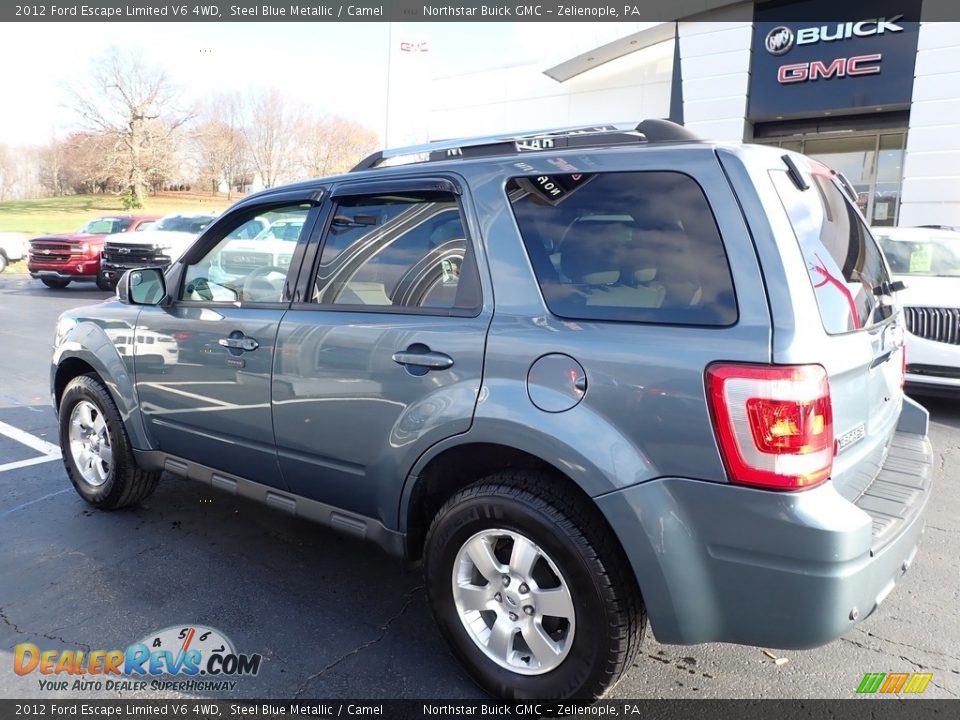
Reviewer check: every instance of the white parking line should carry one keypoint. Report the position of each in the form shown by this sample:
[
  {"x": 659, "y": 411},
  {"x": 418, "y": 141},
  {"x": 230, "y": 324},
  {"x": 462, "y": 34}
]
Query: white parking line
[{"x": 48, "y": 451}]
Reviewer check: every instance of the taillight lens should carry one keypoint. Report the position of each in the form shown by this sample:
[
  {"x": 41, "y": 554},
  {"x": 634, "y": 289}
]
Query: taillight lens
[{"x": 774, "y": 423}]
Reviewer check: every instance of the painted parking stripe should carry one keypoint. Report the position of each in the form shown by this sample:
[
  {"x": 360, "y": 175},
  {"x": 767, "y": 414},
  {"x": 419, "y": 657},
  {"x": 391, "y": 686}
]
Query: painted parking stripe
[
  {"x": 31, "y": 441},
  {"x": 48, "y": 451}
]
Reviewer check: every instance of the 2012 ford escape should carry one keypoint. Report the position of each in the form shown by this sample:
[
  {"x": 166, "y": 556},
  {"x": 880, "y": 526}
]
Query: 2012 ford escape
[{"x": 590, "y": 377}]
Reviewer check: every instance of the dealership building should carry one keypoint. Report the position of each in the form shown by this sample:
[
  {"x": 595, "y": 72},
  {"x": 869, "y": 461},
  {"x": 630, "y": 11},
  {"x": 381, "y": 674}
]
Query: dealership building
[{"x": 875, "y": 96}]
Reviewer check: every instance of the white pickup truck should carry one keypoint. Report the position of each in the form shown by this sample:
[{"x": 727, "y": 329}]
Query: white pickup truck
[{"x": 13, "y": 247}]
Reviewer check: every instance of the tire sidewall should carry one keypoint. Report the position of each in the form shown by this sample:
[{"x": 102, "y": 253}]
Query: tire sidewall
[
  {"x": 83, "y": 388},
  {"x": 585, "y": 661}
]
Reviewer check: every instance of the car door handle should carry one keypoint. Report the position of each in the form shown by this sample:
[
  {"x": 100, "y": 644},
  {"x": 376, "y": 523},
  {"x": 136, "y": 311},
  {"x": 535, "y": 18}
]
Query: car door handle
[
  {"x": 239, "y": 343},
  {"x": 430, "y": 360}
]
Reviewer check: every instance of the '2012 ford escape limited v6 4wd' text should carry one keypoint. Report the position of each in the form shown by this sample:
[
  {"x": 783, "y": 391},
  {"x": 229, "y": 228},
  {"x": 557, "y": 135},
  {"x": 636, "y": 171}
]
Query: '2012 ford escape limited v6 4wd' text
[{"x": 590, "y": 377}]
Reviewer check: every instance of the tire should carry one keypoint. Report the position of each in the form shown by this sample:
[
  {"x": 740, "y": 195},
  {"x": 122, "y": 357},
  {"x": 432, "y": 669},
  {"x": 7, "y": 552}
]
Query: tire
[
  {"x": 108, "y": 485},
  {"x": 574, "y": 549},
  {"x": 3, "y": 261},
  {"x": 55, "y": 283},
  {"x": 105, "y": 284}
]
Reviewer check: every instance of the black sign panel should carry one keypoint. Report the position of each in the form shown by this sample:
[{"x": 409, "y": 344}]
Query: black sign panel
[{"x": 807, "y": 68}]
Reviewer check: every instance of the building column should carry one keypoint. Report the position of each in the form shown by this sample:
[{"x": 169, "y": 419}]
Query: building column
[
  {"x": 715, "y": 66},
  {"x": 931, "y": 171}
]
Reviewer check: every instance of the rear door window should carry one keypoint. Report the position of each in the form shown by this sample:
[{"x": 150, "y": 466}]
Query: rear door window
[
  {"x": 631, "y": 246},
  {"x": 844, "y": 263}
]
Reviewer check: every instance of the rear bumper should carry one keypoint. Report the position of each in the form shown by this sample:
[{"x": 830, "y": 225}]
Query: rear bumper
[{"x": 721, "y": 563}]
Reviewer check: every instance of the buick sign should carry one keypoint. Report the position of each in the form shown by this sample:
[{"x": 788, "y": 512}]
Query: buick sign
[{"x": 779, "y": 40}]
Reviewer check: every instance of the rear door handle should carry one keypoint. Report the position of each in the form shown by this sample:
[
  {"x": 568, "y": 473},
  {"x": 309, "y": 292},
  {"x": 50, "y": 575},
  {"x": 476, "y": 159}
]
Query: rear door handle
[
  {"x": 430, "y": 360},
  {"x": 243, "y": 342}
]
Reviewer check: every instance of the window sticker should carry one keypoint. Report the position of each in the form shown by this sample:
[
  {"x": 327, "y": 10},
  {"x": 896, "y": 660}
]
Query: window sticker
[{"x": 921, "y": 259}]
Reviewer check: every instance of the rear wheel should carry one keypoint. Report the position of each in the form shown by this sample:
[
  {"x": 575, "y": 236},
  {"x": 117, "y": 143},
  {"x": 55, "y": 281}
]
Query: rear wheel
[
  {"x": 56, "y": 283},
  {"x": 3, "y": 261},
  {"x": 531, "y": 589},
  {"x": 96, "y": 450}
]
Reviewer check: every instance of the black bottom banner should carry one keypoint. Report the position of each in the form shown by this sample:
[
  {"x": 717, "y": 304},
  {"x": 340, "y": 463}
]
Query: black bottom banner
[{"x": 859, "y": 709}]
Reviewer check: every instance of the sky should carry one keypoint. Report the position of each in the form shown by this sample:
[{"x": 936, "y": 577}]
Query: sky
[{"x": 336, "y": 68}]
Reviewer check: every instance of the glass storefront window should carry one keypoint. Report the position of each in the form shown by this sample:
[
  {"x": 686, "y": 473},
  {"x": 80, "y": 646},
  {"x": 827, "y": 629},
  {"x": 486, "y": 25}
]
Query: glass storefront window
[
  {"x": 886, "y": 191},
  {"x": 852, "y": 156}
]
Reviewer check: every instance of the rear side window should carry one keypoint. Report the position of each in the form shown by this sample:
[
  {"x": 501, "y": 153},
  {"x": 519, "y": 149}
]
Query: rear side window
[
  {"x": 843, "y": 261},
  {"x": 635, "y": 247}
]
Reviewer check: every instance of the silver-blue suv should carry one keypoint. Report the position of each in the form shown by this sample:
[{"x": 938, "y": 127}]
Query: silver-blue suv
[{"x": 590, "y": 377}]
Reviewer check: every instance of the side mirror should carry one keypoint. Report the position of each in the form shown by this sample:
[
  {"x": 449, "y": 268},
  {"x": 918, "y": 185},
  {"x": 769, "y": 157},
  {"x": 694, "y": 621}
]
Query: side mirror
[{"x": 143, "y": 286}]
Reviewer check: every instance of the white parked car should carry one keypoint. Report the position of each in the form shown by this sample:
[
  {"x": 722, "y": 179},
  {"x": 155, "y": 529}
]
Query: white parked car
[
  {"x": 13, "y": 247},
  {"x": 927, "y": 261}
]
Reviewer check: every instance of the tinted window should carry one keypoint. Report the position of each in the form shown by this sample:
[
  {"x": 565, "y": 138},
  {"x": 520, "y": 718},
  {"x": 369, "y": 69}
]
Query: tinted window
[
  {"x": 250, "y": 263},
  {"x": 640, "y": 246},
  {"x": 396, "y": 251},
  {"x": 843, "y": 262},
  {"x": 185, "y": 223}
]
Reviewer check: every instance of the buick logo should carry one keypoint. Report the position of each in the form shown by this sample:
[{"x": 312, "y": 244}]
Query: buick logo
[{"x": 779, "y": 40}]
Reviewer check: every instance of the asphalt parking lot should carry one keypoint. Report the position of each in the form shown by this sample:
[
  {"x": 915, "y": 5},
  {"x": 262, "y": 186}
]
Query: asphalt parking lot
[{"x": 334, "y": 617}]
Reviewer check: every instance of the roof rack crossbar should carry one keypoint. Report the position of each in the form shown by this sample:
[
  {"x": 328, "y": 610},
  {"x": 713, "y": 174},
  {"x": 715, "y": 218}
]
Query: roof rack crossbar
[{"x": 649, "y": 131}]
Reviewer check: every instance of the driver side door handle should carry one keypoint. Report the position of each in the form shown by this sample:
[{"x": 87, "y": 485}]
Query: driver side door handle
[{"x": 245, "y": 343}]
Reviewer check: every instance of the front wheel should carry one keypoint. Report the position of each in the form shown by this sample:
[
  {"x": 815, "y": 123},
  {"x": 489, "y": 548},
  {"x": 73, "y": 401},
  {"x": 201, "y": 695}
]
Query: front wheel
[
  {"x": 3, "y": 262},
  {"x": 531, "y": 589},
  {"x": 105, "y": 284},
  {"x": 96, "y": 450},
  {"x": 55, "y": 283}
]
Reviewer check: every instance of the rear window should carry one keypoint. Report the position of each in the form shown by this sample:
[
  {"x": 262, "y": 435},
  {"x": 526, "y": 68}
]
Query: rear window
[
  {"x": 843, "y": 261},
  {"x": 635, "y": 247}
]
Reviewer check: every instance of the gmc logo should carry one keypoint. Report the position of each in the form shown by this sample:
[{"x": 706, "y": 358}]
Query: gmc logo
[{"x": 841, "y": 67}]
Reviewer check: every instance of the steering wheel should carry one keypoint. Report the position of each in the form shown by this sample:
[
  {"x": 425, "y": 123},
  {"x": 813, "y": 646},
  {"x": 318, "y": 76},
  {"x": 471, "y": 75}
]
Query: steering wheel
[{"x": 257, "y": 284}]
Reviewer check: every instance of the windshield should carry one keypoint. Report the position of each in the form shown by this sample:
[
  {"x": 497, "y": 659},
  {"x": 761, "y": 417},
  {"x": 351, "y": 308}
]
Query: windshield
[
  {"x": 931, "y": 257},
  {"x": 184, "y": 223},
  {"x": 106, "y": 226}
]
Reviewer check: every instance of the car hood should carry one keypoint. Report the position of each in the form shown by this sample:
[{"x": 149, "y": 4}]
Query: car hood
[
  {"x": 71, "y": 237},
  {"x": 153, "y": 237},
  {"x": 929, "y": 291}
]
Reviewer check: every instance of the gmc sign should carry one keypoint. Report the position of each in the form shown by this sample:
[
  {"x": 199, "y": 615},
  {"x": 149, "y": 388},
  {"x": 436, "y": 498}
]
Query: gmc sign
[{"x": 841, "y": 67}]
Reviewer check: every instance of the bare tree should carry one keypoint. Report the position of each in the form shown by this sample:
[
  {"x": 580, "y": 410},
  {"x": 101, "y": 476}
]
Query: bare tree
[
  {"x": 333, "y": 144},
  {"x": 220, "y": 142},
  {"x": 128, "y": 99},
  {"x": 7, "y": 172},
  {"x": 270, "y": 133}
]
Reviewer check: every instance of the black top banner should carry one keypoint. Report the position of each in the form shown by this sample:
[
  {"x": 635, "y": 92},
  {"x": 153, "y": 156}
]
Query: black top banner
[{"x": 416, "y": 11}]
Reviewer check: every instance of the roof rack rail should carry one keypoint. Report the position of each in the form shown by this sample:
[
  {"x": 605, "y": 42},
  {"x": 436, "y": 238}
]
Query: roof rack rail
[{"x": 648, "y": 131}]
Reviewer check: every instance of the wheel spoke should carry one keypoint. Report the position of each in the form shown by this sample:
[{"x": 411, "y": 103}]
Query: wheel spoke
[
  {"x": 85, "y": 416},
  {"x": 106, "y": 455},
  {"x": 500, "y": 643},
  {"x": 554, "y": 602},
  {"x": 543, "y": 648},
  {"x": 474, "y": 597},
  {"x": 523, "y": 557},
  {"x": 99, "y": 424},
  {"x": 481, "y": 554}
]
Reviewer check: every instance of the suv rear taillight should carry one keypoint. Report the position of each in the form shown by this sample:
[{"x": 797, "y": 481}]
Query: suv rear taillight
[{"x": 774, "y": 423}]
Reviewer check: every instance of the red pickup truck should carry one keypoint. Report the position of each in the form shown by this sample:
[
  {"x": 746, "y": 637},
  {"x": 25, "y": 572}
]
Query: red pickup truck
[{"x": 57, "y": 260}]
